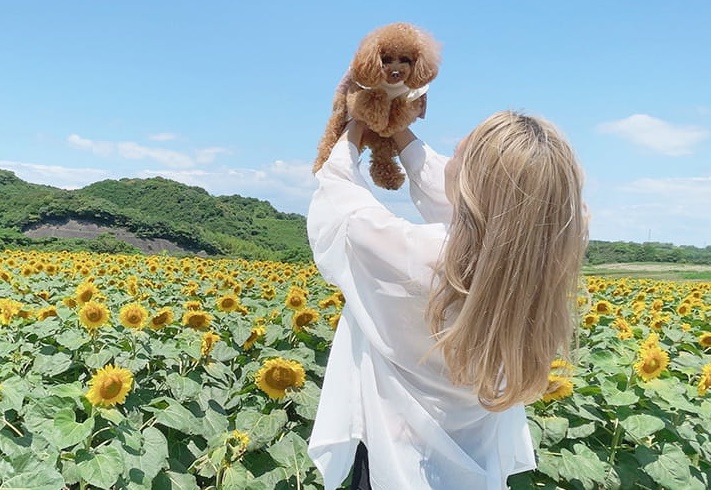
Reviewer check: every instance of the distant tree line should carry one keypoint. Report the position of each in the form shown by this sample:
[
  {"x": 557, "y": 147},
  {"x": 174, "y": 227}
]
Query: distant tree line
[{"x": 601, "y": 252}]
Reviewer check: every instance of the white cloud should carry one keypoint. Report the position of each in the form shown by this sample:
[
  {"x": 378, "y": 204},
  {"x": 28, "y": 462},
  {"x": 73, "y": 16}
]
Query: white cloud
[
  {"x": 162, "y": 136},
  {"x": 55, "y": 176},
  {"x": 208, "y": 155},
  {"x": 672, "y": 210},
  {"x": 171, "y": 158},
  {"x": 656, "y": 134},
  {"x": 134, "y": 151}
]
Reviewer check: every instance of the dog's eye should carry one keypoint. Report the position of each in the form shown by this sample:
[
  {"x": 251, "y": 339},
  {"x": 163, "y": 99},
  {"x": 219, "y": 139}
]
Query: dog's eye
[
  {"x": 405, "y": 59},
  {"x": 387, "y": 59}
]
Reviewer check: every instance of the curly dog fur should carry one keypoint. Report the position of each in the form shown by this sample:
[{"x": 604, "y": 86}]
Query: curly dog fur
[{"x": 380, "y": 89}]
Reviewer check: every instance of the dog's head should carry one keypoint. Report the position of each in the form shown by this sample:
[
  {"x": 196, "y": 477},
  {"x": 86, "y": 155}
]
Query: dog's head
[{"x": 394, "y": 53}]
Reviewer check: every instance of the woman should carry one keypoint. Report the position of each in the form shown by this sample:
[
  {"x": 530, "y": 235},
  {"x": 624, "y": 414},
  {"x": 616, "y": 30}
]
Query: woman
[{"x": 450, "y": 326}]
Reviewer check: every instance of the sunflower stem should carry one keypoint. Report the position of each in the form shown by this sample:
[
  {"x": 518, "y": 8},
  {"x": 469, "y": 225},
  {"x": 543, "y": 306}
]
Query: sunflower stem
[
  {"x": 617, "y": 436},
  {"x": 12, "y": 427}
]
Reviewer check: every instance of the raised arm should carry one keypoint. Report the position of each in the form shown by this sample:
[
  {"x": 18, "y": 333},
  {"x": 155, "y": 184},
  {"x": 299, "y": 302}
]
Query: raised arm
[
  {"x": 346, "y": 223},
  {"x": 425, "y": 171}
]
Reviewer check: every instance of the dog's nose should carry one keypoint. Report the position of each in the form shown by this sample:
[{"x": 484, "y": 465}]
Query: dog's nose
[{"x": 395, "y": 74}]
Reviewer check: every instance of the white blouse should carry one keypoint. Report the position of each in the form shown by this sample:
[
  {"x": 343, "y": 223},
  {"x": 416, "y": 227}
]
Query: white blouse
[{"x": 421, "y": 431}]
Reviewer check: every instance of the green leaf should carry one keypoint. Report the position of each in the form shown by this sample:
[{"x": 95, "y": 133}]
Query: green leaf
[
  {"x": 261, "y": 428},
  {"x": 581, "y": 431},
  {"x": 68, "y": 390},
  {"x": 605, "y": 361},
  {"x": 615, "y": 397},
  {"x": 237, "y": 477},
  {"x": 44, "y": 478},
  {"x": 584, "y": 466},
  {"x": 554, "y": 429},
  {"x": 183, "y": 387},
  {"x": 306, "y": 399},
  {"x": 642, "y": 425},
  {"x": 101, "y": 468},
  {"x": 269, "y": 480},
  {"x": 671, "y": 470},
  {"x": 13, "y": 394},
  {"x": 51, "y": 365},
  {"x": 290, "y": 453},
  {"x": 672, "y": 391},
  {"x": 175, "y": 415},
  {"x": 99, "y": 359},
  {"x": 67, "y": 431},
  {"x": 212, "y": 423},
  {"x": 171, "y": 480},
  {"x": 151, "y": 458},
  {"x": 73, "y": 339}
]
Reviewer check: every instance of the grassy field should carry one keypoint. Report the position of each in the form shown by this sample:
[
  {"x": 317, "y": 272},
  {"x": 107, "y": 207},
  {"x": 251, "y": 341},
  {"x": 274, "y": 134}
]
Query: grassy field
[{"x": 652, "y": 270}]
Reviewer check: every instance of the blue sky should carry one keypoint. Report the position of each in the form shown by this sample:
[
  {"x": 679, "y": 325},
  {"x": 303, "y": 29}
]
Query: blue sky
[{"x": 232, "y": 96}]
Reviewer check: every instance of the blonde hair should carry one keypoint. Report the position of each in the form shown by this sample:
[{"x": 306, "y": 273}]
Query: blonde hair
[{"x": 509, "y": 270}]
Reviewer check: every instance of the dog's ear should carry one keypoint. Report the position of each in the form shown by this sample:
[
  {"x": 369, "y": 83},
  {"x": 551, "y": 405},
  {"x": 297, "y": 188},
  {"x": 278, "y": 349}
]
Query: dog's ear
[
  {"x": 366, "y": 67},
  {"x": 426, "y": 66}
]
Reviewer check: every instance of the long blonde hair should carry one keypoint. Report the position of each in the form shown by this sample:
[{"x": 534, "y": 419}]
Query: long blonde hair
[{"x": 509, "y": 270}]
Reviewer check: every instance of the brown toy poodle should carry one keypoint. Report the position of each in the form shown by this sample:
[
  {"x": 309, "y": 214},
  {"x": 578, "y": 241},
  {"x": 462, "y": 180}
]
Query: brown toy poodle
[{"x": 385, "y": 87}]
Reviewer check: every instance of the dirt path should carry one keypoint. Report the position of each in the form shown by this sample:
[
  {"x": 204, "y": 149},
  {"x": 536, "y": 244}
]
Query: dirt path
[{"x": 88, "y": 230}]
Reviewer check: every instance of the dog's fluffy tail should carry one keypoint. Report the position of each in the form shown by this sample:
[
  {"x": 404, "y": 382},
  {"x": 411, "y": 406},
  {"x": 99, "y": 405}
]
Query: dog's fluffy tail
[
  {"x": 334, "y": 128},
  {"x": 336, "y": 123}
]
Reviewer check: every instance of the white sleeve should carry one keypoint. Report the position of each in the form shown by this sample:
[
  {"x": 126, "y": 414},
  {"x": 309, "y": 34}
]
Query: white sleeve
[
  {"x": 425, "y": 171},
  {"x": 349, "y": 228}
]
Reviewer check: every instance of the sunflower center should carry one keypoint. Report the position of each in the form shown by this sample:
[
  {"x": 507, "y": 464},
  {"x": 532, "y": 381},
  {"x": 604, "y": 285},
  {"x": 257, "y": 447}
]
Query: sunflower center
[
  {"x": 86, "y": 296},
  {"x": 228, "y": 303},
  {"x": 94, "y": 315},
  {"x": 304, "y": 319},
  {"x": 160, "y": 319},
  {"x": 280, "y": 377},
  {"x": 651, "y": 365},
  {"x": 110, "y": 388}
]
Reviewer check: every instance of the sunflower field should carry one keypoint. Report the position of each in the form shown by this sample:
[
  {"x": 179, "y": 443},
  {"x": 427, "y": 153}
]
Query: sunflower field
[{"x": 157, "y": 372}]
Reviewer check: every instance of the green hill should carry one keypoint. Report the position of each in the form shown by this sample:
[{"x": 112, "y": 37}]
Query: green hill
[{"x": 149, "y": 209}]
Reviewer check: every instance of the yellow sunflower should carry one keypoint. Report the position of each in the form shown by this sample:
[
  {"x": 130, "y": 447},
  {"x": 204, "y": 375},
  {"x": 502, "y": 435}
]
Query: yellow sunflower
[
  {"x": 625, "y": 331},
  {"x": 705, "y": 340},
  {"x": 199, "y": 320},
  {"x": 46, "y": 312},
  {"x": 303, "y": 318},
  {"x": 705, "y": 380},
  {"x": 257, "y": 332},
  {"x": 193, "y": 305},
  {"x": 590, "y": 320},
  {"x": 296, "y": 299},
  {"x": 333, "y": 320},
  {"x": 683, "y": 309},
  {"x": 329, "y": 301},
  {"x": 651, "y": 341},
  {"x": 8, "y": 309},
  {"x": 109, "y": 386},
  {"x": 236, "y": 442},
  {"x": 278, "y": 375},
  {"x": 558, "y": 387},
  {"x": 163, "y": 317},
  {"x": 268, "y": 293},
  {"x": 133, "y": 315},
  {"x": 561, "y": 365},
  {"x": 603, "y": 308},
  {"x": 228, "y": 303},
  {"x": 652, "y": 361},
  {"x": 208, "y": 342},
  {"x": 93, "y": 315},
  {"x": 85, "y": 292}
]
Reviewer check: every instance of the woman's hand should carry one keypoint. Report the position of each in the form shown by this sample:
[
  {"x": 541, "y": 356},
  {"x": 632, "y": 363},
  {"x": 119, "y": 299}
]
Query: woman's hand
[
  {"x": 354, "y": 132},
  {"x": 403, "y": 138}
]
